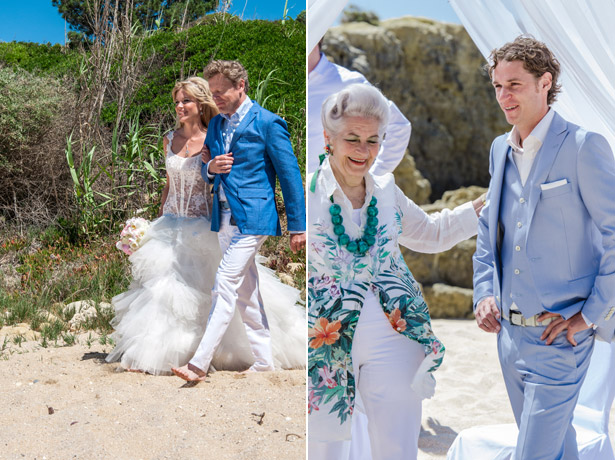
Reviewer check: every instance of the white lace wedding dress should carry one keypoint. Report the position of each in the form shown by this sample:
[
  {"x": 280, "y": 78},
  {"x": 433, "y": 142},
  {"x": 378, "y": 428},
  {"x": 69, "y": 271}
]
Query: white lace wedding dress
[{"x": 160, "y": 320}]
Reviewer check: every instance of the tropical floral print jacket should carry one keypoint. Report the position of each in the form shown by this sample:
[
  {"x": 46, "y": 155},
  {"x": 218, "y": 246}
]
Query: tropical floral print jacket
[{"x": 339, "y": 280}]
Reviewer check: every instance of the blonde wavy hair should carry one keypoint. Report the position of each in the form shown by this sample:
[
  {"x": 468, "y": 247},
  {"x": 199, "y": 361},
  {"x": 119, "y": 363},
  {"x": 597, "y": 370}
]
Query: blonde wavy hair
[{"x": 198, "y": 88}]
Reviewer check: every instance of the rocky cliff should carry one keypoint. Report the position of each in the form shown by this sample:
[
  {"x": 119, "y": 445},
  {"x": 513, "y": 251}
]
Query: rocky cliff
[{"x": 433, "y": 72}]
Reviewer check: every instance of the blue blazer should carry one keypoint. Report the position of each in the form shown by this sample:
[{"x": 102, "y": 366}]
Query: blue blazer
[
  {"x": 261, "y": 151},
  {"x": 570, "y": 246}
]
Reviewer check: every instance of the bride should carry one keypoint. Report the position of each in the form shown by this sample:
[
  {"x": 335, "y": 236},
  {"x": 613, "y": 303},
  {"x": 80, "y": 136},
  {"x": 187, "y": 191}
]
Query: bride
[{"x": 160, "y": 320}]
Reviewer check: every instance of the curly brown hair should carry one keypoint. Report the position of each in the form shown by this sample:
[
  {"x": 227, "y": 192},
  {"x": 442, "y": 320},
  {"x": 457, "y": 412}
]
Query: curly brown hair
[
  {"x": 536, "y": 57},
  {"x": 233, "y": 70}
]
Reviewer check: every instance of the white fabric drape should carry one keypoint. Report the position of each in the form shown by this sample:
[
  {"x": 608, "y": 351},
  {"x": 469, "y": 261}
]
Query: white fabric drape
[
  {"x": 581, "y": 35},
  {"x": 321, "y": 14}
]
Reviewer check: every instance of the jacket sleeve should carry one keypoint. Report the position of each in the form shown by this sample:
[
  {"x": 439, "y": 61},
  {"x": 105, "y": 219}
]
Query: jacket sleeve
[
  {"x": 209, "y": 144},
  {"x": 596, "y": 175},
  {"x": 280, "y": 151},
  {"x": 483, "y": 260}
]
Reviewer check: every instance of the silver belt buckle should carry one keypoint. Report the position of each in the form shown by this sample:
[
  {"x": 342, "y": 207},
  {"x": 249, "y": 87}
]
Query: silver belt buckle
[{"x": 516, "y": 318}]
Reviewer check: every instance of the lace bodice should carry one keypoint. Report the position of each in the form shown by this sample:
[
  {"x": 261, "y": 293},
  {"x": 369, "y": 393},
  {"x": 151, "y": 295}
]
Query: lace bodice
[{"x": 189, "y": 194}]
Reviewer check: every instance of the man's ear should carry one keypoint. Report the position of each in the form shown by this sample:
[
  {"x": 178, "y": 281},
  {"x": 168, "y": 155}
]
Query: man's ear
[
  {"x": 546, "y": 81},
  {"x": 241, "y": 84}
]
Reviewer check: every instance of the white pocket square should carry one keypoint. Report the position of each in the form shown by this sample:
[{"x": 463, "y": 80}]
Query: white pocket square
[{"x": 550, "y": 185}]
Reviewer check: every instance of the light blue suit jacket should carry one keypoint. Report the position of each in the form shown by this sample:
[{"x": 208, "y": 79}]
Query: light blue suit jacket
[
  {"x": 570, "y": 244},
  {"x": 261, "y": 150}
]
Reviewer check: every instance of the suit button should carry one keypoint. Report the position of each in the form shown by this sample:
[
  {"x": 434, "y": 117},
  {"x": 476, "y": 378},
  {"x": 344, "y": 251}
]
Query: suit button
[{"x": 517, "y": 271}]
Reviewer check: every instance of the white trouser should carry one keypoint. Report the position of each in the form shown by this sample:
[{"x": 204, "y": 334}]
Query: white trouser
[
  {"x": 236, "y": 285},
  {"x": 385, "y": 363}
]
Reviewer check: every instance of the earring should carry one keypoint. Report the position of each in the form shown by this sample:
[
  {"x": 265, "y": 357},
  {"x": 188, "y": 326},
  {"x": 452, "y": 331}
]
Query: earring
[{"x": 326, "y": 153}]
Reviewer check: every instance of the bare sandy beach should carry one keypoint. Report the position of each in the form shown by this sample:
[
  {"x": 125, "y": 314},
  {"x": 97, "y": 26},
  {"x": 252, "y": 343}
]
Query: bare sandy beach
[
  {"x": 470, "y": 389},
  {"x": 67, "y": 403}
]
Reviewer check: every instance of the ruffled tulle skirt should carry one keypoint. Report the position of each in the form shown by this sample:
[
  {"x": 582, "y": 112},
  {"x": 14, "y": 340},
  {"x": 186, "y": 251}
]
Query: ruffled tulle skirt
[{"x": 160, "y": 320}]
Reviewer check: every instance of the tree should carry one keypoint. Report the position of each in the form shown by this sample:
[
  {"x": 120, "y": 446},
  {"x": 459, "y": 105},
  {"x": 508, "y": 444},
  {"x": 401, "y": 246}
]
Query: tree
[
  {"x": 352, "y": 13},
  {"x": 150, "y": 14}
]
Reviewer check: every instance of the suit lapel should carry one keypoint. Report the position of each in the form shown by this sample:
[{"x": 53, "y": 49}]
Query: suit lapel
[
  {"x": 545, "y": 159},
  {"x": 244, "y": 124}
]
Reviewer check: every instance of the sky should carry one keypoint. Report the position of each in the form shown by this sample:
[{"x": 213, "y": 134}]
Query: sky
[
  {"x": 38, "y": 21},
  {"x": 439, "y": 10}
]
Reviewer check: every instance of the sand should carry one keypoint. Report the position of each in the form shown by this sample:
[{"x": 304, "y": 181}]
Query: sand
[
  {"x": 67, "y": 403},
  {"x": 470, "y": 390}
]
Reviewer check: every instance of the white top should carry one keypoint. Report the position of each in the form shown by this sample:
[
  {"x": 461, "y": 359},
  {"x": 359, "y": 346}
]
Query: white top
[
  {"x": 188, "y": 193},
  {"x": 524, "y": 156},
  {"x": 229, "y": 126},
  {"x": 327, "y": 79}
]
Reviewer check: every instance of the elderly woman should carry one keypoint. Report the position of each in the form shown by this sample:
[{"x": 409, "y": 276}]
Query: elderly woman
[{"x": 369, "y": 326}]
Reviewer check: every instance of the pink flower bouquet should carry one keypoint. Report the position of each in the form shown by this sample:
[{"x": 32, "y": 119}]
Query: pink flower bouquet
[{"x": 131, "y": 236}]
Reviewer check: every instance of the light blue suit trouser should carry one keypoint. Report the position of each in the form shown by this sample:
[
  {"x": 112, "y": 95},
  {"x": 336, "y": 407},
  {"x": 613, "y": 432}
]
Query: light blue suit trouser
[{"x": 543, "y": 383}]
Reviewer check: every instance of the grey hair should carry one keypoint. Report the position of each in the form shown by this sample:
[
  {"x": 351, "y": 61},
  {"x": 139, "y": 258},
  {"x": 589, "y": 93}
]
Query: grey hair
[{"x": 356, "y": 100}]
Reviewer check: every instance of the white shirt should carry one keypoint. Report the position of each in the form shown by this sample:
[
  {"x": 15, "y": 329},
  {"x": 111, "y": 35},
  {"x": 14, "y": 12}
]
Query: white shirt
[
  {"x": 229, "y": 126},
  {"x": 524, "y": 156},
  {"x": 421, "y": 232},
  {"x": 327, "y": 79}
]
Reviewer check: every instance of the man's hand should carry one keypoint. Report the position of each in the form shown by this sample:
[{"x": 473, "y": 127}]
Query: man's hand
[
  {"x": 575, "y": 324},
  {"x": 297, "y": 242},
  {"x": 488, "y": 315},
  {"x": 221, "y": 164}
]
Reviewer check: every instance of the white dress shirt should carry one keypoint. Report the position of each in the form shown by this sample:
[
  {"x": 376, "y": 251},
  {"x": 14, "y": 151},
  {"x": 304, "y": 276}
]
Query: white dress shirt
[
  {"x": 524, "y": 156},
  {"x": 229, "y": 126},
  {"x": 327, "y": 79}
]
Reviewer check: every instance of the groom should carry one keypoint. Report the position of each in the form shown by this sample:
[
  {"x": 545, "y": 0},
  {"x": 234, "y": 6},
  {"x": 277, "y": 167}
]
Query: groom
[
  {"x": 544, "y": 267},
  {"x": 249, "y": 147}
]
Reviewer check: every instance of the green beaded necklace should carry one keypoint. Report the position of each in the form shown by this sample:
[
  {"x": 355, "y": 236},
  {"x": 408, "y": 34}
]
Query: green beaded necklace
[{"x": 358, "y": 247}]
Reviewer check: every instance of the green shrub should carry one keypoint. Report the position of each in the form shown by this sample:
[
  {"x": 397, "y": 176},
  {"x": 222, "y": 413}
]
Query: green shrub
[
  {"x": 29, "y": 104},
  {"x": 46, "y": 58},
  {"x": 35, "y": 115}
]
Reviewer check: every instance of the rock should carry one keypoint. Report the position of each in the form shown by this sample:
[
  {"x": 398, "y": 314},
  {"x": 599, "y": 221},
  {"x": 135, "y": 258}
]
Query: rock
[
  {"x": 448, "y": 301},
  {"x": 453, "y": 198},
  {"x": 49, "y": 317},
  {"x": 451, "y": 267},
  {"x": 433, "y": 72},
  {"x": 21, "y": 329},
  {"x": 83, "y": 311},
  {"x": 422, "y": 266},
  {"x": 454, "y": 266},
  {"x": 411, "y": 181}
]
